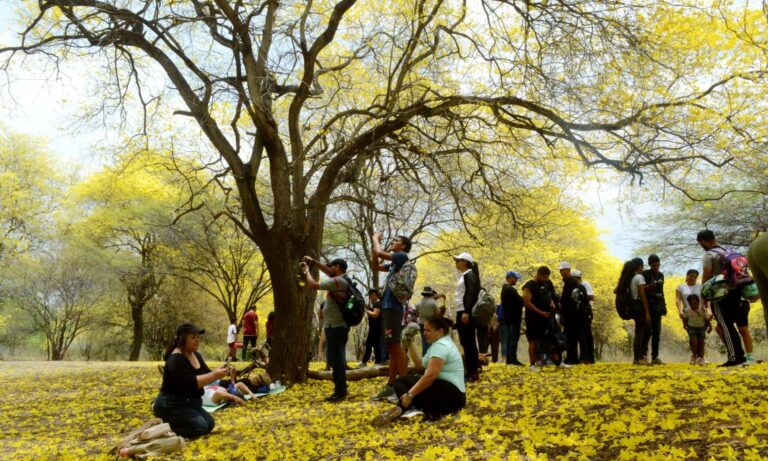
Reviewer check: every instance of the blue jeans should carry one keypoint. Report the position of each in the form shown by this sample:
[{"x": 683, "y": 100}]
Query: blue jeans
[
  {"x": 336, "y": 353},
  {"x": 186, "y": 416},
  {"x": 512, "y": 337}
]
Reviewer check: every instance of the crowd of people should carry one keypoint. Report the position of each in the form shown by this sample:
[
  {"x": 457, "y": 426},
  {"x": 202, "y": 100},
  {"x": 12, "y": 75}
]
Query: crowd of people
[{"x": 557, "y": 321}]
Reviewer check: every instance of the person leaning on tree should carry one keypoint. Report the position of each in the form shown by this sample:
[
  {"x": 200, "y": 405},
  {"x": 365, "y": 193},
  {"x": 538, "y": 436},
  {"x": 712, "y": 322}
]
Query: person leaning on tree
[{"x": 336, "y": 330}]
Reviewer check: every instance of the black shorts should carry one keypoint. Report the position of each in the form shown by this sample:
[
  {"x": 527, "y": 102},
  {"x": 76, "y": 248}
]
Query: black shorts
[
  {"x": 391, "y": 326},
  {"x": 535, "y": 326},
  {"x": 742, "y": 314}
]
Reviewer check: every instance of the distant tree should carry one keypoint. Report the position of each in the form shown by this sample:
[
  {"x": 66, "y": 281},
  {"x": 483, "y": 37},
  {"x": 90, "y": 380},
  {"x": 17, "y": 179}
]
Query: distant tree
[{"x": 60, "y": 298}]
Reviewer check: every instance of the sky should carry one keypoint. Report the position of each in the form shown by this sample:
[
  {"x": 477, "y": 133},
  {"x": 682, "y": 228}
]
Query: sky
[{"x": 38, "y": 103}]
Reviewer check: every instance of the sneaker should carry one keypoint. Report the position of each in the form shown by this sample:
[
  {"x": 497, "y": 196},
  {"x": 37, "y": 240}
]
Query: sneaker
[
  {"x": 385, "y": 393},
  {"x": 731, "y": 363},
  {"x": 387, "y": 417},
  {"x": 701, "y": 361},
  {"x": 534, "y": 369},
  {"x": 657, "y": 361},
  {"x": 750, "y": 361},
  {"x": 694, "y": 360},
  {"x": 641, "y": 362},
  {"x": 411, "y": 413},
  {"x": 564, "y": 365},
  {"x": 336, "y": 398}
]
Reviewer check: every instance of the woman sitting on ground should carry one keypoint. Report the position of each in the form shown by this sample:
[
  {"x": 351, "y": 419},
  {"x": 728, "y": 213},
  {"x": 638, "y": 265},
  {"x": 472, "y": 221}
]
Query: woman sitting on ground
[
  {"x": 440, "y": 390},
  {"x": 180, "y": 402}
]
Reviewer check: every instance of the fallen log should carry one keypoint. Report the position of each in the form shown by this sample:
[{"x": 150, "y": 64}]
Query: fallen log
[{"x": 358, "y": 374}]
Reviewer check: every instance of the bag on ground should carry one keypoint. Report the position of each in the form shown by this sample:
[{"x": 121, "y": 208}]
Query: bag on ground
[
  {"x": 555, "y": 340},
  {"x": 153, "y": 438}
]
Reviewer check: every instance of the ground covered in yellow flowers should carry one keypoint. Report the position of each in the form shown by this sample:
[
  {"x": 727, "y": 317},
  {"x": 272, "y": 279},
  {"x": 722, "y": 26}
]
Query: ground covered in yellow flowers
[{"x": 605, "y": 411}]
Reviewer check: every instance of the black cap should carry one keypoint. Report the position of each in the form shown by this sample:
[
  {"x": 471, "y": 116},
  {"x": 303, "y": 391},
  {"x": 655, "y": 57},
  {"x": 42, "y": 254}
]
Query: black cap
[
  {"x": 339, "y": 262},
  {"x": 187, "y": 328}
]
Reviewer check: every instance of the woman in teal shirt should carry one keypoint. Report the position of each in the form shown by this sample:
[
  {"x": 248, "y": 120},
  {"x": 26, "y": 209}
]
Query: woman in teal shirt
[{"x": 440, "y": 390}]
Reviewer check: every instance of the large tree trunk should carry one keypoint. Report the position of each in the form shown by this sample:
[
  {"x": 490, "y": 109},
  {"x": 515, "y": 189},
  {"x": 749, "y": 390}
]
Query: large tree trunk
[
  {"x": 137, "y": 315},
  {"x": 290, "y": 352}
]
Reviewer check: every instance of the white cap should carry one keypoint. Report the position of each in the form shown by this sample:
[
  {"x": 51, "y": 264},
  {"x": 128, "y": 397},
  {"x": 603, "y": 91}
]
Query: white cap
[
  {"x": 466, "y": 257},
  {"x": 576, "y": 273},
  {"x": 564, "y": 265}
]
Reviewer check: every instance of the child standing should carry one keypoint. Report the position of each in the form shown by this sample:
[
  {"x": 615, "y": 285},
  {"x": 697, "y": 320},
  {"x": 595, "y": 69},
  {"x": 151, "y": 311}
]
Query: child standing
[{"x": 698, "y": 325}]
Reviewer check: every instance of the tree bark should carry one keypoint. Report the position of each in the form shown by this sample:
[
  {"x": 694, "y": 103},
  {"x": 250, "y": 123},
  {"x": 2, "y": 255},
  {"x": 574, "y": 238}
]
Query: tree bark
[
  {"x": 290, "y": 352},
  {"x": 137, "y": 315}
]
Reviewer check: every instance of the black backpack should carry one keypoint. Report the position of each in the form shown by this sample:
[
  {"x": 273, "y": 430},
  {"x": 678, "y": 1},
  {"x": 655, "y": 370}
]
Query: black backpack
[
  {"x": 626, "y": 307},
  {"x": 580, "y": 299},
  {"x": 353, "y": 306},
  {"x": 555, "y": 340}
]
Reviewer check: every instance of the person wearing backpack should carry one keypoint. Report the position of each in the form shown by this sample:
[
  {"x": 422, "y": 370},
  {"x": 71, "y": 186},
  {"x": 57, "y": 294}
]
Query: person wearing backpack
[
  {"x": 632, "y": 282},
  {"x": 588, "y": 351},
  {"x": 467, "y": 293},
  {"x": 392, "y": 305},
  {"x": 574, "y": 304},
  {"x": 657, "y": 305},
  {"x": 335, "y": 329},
  {"x": 539, "y": 301},
  {"x": 726, "y": 309}
]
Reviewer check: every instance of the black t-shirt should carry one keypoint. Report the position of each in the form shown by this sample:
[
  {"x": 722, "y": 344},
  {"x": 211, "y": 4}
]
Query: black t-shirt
[
  {"x": 511, "y": 304},
  {"x": 656, "y": 297},
  {"x": 180, "y": 378},
  {"x": 374, "y": 324},
  {"x": 541, "y": 294}
]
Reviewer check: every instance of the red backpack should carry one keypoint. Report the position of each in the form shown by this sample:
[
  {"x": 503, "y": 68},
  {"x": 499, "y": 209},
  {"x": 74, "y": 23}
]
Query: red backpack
[{"x": 734, "y": 267}]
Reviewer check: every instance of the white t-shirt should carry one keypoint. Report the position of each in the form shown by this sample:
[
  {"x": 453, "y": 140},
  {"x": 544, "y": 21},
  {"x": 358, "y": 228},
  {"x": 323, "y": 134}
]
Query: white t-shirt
[
  {"x": 634, "y": 287},
  {"x": 461, "y": 289},
  {"x": 685, "y": 290},
  {"x": 231, "y": 334},
  {"x": 590, "y": 291}
]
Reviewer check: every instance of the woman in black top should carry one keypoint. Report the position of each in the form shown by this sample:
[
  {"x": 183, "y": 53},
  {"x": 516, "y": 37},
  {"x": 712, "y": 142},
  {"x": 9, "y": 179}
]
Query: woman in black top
[
  {"x": 468, "y": 288},
  {"x": 180, "y": 402}
]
